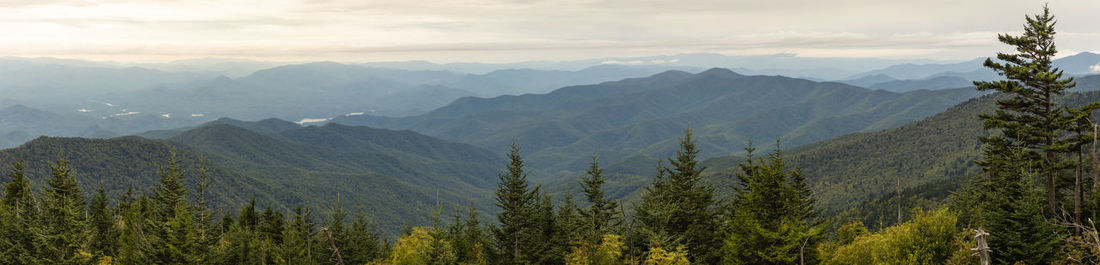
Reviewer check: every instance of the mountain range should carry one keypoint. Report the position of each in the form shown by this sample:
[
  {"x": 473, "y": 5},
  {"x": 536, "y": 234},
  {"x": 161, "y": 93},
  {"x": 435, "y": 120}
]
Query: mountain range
[
  {"x": 644, "y": 116},
  {"x": 397, "y": 176}
]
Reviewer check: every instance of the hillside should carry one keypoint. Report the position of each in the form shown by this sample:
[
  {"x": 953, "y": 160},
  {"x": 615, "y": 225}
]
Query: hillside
[
  {"x": 398, "y": 175},
  {"x": 643, "y": 116},
  {"x": 327, "y": 89},
  {"x": 932, "y": 157},
  {"x": 931, "y": 83},
  {"x": 20, "y": 123}
]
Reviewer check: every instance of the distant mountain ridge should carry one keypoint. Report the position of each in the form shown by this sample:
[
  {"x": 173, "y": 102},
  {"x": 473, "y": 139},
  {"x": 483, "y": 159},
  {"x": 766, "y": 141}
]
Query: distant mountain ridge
[
  {"x": 1077, "y": 64},
  {"x": 396, "y": 175},
  {"x": 643, "y": 116}
]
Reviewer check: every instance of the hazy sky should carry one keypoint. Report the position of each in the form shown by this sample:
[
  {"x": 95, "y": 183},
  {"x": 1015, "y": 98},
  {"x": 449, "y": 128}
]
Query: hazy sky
[{"x": 515, "y": 30}]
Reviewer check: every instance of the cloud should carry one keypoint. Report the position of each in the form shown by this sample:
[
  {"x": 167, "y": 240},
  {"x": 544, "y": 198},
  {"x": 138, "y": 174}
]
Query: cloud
[
  {"x": 509, "y": 30},
  {"x": 1095, "y": 68},
  {"x": 641, "y": 62}
]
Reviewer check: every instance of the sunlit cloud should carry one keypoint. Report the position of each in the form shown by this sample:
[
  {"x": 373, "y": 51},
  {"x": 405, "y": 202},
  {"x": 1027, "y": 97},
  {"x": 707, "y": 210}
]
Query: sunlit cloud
[{"x": 505, "y": 30}]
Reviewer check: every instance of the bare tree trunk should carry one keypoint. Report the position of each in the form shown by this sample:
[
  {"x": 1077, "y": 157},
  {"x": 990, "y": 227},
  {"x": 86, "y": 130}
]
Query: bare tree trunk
[
  {"x": 983, "y": 247},
  {"x": 335, "y": 251},
  {"x": 1051, "y": 186},
  {"x": 263, "y": 253},
  {"x": 1077, "y": 193},
  {"x": 1095, "y": 164},
  {"x": 802, "y": 251},
  {"x": 899, "y": 198},
  {"x": 629, "y": 232}
]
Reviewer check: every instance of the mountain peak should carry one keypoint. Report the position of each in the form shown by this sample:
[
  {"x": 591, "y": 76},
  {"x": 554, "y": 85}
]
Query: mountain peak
[{"x": 720, "y": 72}]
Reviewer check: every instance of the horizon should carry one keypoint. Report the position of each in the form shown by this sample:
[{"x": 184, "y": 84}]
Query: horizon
[{"x": 498, "y": 32}]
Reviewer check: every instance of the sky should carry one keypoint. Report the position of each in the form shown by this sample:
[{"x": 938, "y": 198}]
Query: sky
[{"x": 523, "y": 30}]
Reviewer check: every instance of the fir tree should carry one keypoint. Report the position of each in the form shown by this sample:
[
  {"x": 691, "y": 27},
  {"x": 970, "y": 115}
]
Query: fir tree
[
  {"x": 549, "y": 242},
  {"x": 180, "y": 240},
  {"x": 18, "y": 196},
  {"x": 518, "y": 204},
  {"x": 1032, "y": 114},
  {"x": 170, "y": 193},
  {"x": 63, "y": 215},
  {"x": 772, "y": 218},
  {"x": 104, "y": 227},
  {"x": 480, "y": 246},
  {"x": 363, "y": 241},
  {"x": 298, "y": 238},
  {"x": 19, "y": 244},
  {"x": 680, "y": 210},
  {"x": 571, "y": 223},
  {"x": 601, "y": 217},
  {"x": 1016, "y": 225}
]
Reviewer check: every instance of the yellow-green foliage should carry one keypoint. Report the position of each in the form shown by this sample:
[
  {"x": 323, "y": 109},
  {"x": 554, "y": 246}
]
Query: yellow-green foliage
[
  {"x": 609, "y": 252},
  {"x": 658, "y": 256},
  {"x": 421, "y": 248},
  {"x": 930, "y": 238}
]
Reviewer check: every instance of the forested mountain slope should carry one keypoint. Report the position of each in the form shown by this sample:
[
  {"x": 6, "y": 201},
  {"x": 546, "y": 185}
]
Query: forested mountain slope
[
  {"x": 643, "y": 116},
  {"x": 932, "y": 157},
  {"x": 396, "y": 175}
]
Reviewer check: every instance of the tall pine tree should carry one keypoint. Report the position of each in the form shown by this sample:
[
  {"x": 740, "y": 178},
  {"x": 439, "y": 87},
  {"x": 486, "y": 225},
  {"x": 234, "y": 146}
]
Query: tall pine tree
[
  {"x": 19, "y": 220},
  {"x": 518, "y": 204},
  {"x": 601, "y": 217},
  {"x": 772, "y": 219},
  {"x": 63, "y": 215},
  {"x": 103, "y": 226},
  {"x": 679, "y": 209},
  {"x": 1031, "y": 114}
]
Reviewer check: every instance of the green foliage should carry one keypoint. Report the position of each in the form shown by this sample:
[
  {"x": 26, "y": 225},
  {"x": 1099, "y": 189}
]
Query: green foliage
[
  {"x": 63, "y": 215},
  {"x": 929, "y": 238},
  {"x": 1031, "y": 116},
  {"x": 19, "y": 241},
  {"x": 659, "y": 256},
  {"x": 518, "y": 208},
  {"x": 1009, "y": 207},
  {"x": 602, "y": 216},
  {"x": 679, "y": 210},
  {"x": 103, "y": 227},
  {"x": 609, "y": 251},
  {"x": 393, "y": 174},
  {"x": 773, "y": 220},
  {"x": 420, "y": 247}
]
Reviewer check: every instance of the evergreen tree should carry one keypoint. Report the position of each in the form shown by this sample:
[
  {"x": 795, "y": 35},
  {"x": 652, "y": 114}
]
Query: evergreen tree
[
  {"x": 136, "y": 246},
  {"x": 549, "y": 242},
  {"x": 298, "y": 238},
  {"x": 104, "y": 227},
  {"x": 249, "y": 218},
  {"x": 1016, "y": 225},
  {"x": 204, "y": 218},
  {"x": 571, "y": 223},
  {"x": 180, "y": 239},
  {"x": 479, "y": 243},
  {"x": 170, "y": 193},
  {"x": 363, "y": 241},
  {"x": 270, "y": 231},
  {"x": 680, "y": 210},
  {"x": 272, "y": 225},
  {"x": 601, "y": 217},
  {"x": 63, "y": 215},
  {"x": 19, "y": 221},
  {"x": 518, "y": 204},
  {"x": 18, "y": 196},
  {"x": 772, "y": 218},
  {"x": 335, "y": 225},
  {"x": 1031, "y": 114}
]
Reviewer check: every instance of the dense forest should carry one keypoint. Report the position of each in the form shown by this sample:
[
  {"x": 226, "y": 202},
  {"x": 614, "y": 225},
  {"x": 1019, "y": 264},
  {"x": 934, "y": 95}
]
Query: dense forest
[{"x": 1033, "y": 201}]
